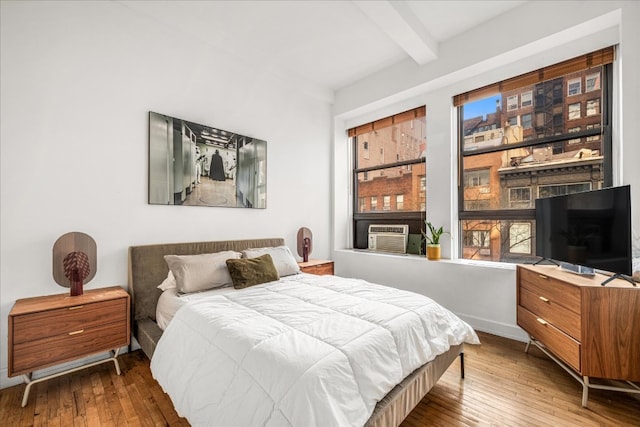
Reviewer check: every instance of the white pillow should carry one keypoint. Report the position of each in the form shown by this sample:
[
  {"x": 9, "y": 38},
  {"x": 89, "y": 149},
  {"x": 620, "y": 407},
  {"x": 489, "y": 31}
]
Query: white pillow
[
  {"x": 283, "y": 259},
  {"x": 168, "y": 283},
  {"x": 194, "y": 273}
]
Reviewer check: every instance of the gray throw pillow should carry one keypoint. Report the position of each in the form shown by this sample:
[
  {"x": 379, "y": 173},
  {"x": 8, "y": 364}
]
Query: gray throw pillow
[{"x": 195, "y": 273}]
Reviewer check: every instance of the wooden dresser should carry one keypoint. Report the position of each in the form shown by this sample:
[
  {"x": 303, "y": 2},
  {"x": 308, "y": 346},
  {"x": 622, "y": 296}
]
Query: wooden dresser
[
  {"x": 320, "y": 267},
  {"x": 589, "y": 329},
  {"x": 49, "y": 330}
]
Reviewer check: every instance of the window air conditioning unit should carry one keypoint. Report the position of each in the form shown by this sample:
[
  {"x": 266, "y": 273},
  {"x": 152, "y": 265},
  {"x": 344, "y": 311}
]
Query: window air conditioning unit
[{"x": 388, "y": 238}]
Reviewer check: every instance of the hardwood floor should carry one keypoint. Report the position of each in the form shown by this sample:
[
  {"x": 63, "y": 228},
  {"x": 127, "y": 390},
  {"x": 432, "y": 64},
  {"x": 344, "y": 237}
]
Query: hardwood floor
[{"x": 503, "y": 386}]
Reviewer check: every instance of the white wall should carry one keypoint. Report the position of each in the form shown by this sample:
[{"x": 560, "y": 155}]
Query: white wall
[
  {"x": 77, "y": 81},
  {"x": 523, "y": 39}
]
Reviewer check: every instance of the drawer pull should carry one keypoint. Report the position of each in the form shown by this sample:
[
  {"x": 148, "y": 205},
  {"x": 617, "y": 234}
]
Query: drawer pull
[
  {"x": 542, "y": 321},
  {"x": 82, "y": 330},
  {"x": 76, "y": 307},
  {"x": 542, "y": 276},
  {"x": 544, "y": 299}
]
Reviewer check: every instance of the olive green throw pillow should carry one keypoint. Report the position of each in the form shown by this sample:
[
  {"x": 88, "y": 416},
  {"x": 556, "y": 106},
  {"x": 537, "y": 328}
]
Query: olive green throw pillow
[{"x": 252, "y": 271}]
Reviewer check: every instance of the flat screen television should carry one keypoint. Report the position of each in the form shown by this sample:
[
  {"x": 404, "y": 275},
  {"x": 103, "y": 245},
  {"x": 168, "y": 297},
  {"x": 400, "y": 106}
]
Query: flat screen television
[{"x": 590, "y": 229}]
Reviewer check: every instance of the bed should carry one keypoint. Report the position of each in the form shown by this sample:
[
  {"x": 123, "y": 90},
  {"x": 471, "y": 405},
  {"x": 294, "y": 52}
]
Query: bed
[{"x": 148, "y": 268}]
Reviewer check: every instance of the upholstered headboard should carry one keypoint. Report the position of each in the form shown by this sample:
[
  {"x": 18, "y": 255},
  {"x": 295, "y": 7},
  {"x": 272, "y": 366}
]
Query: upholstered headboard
[{"x": 147, "y": 269}]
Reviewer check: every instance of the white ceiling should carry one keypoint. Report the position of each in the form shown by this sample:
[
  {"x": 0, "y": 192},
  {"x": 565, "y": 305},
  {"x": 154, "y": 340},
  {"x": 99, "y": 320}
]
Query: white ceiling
[{"x": 323, "y": 44}]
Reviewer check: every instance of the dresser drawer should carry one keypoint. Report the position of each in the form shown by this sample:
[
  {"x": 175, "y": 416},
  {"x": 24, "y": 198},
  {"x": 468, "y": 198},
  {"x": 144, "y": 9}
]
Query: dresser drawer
[
  {"x": 564, "y": 319},
  {"x": 561, "y": 344},
  {"x": 36, "y": 354},
  {"x": 556, "y": 291},
  {"x": 34, "y": 326}
]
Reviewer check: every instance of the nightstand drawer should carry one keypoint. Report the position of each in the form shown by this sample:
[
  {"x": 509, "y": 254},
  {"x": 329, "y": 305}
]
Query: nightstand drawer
[
  {"x": 558, "y": 292},
  {"x": 561, "y": 344},
  {"x": 320, "y": 270},
  {"x": 318, "y": 267},
  {"x": 548, "y": 309},
  {"x": 34, "y": 326},
  {"x": 37, "y": 354}
]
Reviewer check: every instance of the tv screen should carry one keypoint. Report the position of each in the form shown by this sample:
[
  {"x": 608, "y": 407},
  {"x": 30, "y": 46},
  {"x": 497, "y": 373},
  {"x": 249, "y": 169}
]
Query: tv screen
[{"x": 591, "y": 229}]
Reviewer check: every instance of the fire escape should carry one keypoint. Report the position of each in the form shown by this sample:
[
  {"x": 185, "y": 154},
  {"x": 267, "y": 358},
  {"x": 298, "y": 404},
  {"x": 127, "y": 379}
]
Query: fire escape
[{"x": 548, "y": 107}]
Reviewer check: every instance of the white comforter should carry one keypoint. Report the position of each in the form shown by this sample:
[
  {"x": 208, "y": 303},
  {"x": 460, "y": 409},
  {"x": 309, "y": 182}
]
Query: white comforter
[{"x": 313, "y": 351}]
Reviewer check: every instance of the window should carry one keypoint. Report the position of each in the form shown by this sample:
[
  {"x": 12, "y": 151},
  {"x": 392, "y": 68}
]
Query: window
[
  {"x": 574, "y": 111},
  {"x": 575, "y": 140},
  {"x": 592, "y": 82},
  {"x": 513, "y": 121},
  {"x": 574, "y": 87},
  {"x": 594, "y": 137},
  {"x": 477, "y": 238},
  {"x": 501, "y": 180},
  {"x": 386, "y": 203},
  {"x": 476, "y": 205},
  {"x": 512, "y": 103},
  {"x": 476, "y": 178},
  {"x": 520, "y": 197},
  {"x": 520, "y": 238},
  {"x": 390, "y": 165},
  {"x": 593, "y": 107},
  {"x": 562, "y": 189}
]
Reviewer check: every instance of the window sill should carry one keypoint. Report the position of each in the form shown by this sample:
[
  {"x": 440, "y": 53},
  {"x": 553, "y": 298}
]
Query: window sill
[{"x": 470, "y": 262}]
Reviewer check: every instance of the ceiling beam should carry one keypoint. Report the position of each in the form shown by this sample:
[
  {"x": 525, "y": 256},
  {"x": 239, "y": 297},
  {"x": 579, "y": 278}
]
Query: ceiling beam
[{"x": 399, "y": 22}]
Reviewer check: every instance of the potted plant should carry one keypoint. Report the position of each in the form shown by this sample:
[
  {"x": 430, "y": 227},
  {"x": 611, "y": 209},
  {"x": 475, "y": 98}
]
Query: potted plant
[{"x": 432, "y": 237}]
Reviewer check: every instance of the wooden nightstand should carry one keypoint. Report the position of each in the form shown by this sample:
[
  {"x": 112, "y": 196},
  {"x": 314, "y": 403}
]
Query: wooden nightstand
[
  {"x": 49, "y": 330},
  {"x": 317, "y": 266}
]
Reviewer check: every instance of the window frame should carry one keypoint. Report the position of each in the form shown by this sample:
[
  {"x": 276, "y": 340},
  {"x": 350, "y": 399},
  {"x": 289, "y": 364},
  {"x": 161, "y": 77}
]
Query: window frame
[
  {"x": 519, "y": 190},
  {"x": 373, "y": 206},
  {"x": 486, "y": 239},
  {"x": 361, "y": 220},
  {"x": 592, "y": 76},
  {"x": 574, "y": 81},
  {"x": 579, "y": 116},
  {"x": 604, "y": 130},
  {"x": 526, "y": 243},
  {"x": 595, "y": 106},
  {"x": 477, "y": 175}
]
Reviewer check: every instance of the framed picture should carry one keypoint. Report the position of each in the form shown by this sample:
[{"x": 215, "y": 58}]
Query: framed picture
[{"x": 197, "y": 165}]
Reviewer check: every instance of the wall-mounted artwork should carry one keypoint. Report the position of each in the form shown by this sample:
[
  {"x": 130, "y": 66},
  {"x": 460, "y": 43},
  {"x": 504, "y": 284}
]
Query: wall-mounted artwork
[{"x": 196, "y": 165}]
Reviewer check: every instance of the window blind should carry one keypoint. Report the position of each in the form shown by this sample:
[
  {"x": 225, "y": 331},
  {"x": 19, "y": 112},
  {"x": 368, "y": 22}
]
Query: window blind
[
  {"x": 593, "y": 59},
  {"x": 388, "y": 121}
]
